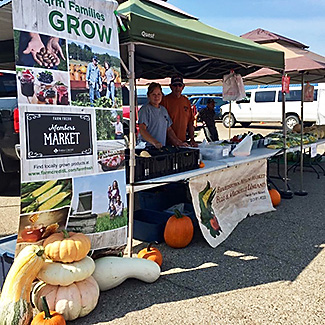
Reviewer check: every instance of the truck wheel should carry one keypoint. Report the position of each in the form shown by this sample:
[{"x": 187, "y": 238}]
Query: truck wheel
[
  {"x": 5, "y": 180},
  {"x": 226, "y": 121},
  {"x": 245, "y": 124},
  {"x": 291, "y": 121}
]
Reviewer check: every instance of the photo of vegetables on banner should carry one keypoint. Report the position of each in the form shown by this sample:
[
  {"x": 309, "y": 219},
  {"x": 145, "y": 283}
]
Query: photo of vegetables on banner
[{"x": 70, "y": 110}]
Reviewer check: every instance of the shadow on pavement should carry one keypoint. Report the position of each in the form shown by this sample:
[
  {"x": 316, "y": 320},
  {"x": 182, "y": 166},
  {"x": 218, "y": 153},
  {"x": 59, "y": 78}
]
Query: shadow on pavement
[{"x": 271, "y": 247}]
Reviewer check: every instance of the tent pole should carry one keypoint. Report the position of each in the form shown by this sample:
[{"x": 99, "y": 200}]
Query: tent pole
[
  {"x": 301, "y": 192},
  {"x": 286, "y": 194},
  {"x": 131, "y": 50},
  {"x": 229, "y": 118}
]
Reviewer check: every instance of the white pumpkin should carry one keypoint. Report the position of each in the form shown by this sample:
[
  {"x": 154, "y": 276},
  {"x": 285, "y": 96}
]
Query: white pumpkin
[
  {"x": 111, "y": 271},
  {"x": 73, "y": 301},
  {"x": 64, "y": 274}
]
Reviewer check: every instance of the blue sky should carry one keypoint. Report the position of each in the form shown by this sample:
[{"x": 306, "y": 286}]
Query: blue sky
[{"x": 301, "y": 20}]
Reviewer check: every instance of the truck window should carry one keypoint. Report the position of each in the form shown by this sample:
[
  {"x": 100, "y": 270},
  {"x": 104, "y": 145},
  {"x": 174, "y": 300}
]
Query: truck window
[
  {"x": 264, "y": 96},
  {"x": 294, "y": 95},
  {"x": 245, "y": 100}
]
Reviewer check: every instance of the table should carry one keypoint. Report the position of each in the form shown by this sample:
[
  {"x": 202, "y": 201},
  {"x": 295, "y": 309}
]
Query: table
[{"x": 213, "y": 165}]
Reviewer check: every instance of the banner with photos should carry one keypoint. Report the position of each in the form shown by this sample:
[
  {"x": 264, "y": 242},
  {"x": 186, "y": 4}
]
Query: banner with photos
[
  {"x": 71, "y": 120},
  {"x": 225, "y": 197}
]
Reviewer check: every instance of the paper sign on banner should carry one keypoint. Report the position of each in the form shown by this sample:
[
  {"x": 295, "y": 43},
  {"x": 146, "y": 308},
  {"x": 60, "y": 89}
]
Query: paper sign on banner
[{"x": 224, "y": 198}]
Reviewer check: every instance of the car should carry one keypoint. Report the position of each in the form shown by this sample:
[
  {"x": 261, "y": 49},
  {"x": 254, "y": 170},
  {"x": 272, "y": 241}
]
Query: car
[{"x": 199, "y": 102}]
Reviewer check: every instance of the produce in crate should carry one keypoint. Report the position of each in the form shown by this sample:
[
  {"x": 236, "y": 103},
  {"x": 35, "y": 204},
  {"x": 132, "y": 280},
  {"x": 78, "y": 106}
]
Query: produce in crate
[
  {"x": 66, "y": 246},
  {"x": 178, "y": 230},
  {"x": 64, "y": 274},
  {"x": 111, "y": 271},
  {"x": 73, "y": 301},
  {"x": 15, "y": 306},
  {"x": 151, "y": 253},
  {"x": 47, "y": 316}
]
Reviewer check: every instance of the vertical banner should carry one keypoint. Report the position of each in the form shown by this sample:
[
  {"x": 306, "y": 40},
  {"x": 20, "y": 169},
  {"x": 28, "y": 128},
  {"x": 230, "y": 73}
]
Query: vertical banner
[
  {"x": 225, "y": 197},
  {"x": 70, "y": 104}
]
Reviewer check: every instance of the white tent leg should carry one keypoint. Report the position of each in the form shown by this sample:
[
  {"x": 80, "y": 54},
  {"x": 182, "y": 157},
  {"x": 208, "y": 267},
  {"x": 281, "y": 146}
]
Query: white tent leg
[{"x": 131, "y": 50}]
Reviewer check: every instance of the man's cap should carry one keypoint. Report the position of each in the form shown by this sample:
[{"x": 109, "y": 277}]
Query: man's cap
[
  {"x": 95, "y": 58},
  {"x": 210, "y": 100},
  {"x": 176, "y": 80}
]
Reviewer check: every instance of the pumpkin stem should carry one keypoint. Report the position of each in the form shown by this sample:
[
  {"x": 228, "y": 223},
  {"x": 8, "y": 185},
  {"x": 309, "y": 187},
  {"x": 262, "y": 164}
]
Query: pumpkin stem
[
  {"x": 65, "y": 233},
  {"x": 40, "y": 251},
  {"x": 46, "y": 308},
  {"x": 178, "y": 214},
  {"x": 150, "y": 244}
]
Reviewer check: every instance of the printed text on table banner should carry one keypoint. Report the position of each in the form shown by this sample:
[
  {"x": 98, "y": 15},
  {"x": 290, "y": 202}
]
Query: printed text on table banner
[{"x": 225, "y": 197}]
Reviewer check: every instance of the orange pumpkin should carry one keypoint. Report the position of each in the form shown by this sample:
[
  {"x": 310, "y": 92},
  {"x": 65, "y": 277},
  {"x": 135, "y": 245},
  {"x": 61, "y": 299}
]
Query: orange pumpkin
[
  {"x": 151, "y": 253},
  {"x": 179, "y": 230},
  {"x": 202, "y": 164},
  {"x": 275, "y": 197},
  {"x": 48, "y": 317},
  {"x": 66, "y": 246}
]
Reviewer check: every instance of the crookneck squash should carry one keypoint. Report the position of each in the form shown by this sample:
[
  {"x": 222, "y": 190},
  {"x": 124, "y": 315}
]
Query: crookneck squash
[{"x": 15, "y": 306}]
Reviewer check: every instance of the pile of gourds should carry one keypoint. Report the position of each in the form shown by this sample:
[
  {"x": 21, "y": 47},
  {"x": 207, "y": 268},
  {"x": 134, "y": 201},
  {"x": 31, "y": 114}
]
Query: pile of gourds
[
  {"x": 65, "y": 278},
  {"x": 69, "y": 281}
]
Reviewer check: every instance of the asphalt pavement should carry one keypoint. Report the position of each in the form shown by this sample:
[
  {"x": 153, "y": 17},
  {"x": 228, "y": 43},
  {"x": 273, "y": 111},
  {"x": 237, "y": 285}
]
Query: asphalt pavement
[{"x": 270, "y": 270}]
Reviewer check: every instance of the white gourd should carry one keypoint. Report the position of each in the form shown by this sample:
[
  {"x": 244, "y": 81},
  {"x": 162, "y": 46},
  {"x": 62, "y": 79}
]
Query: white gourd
[
  {"x": 64, "y": 274},
  {"x": 111, "y": 271}
]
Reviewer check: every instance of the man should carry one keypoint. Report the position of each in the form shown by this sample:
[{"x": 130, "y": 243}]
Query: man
[
  {"x": 110, "y": 78},
  {"x": 179, "y": 110},
  {"x": 207, "y": 115},
  {"x": 93, "y": 80},
  {"x": 118, "y": 128}
]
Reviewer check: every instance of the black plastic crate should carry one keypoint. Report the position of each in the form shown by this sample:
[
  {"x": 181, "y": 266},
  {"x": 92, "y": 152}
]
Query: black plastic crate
[
  {"x": 187, "y": 159},
  {"x": 162, "y": 197},
  {"x": 160, "y": 163},
  {"x": 7, "y": 255},
  {"x": 149, "y": 225}
]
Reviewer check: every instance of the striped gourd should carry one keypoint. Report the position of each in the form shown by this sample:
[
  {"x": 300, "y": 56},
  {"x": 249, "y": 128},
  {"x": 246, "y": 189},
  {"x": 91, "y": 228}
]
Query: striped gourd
[{"x": 15, "y": 306}]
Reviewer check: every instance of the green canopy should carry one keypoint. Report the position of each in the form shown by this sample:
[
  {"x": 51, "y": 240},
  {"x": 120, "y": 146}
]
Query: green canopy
[{"x": 169, "y": 41}]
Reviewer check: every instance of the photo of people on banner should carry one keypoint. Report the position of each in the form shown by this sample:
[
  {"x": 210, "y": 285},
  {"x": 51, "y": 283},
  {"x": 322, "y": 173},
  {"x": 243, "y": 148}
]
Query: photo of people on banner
[
  {"x": 98, "y": 208},
  {"x": 95, "y": 76}
]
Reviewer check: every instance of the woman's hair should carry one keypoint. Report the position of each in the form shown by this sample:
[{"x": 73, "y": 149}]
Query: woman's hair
[
  {"x": 152, "y": 87},
  {"x": 106, "y": 64}
]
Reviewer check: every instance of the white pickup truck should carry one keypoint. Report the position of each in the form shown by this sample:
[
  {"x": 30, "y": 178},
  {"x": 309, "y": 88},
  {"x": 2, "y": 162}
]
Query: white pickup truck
[{"x": 265, "y": 105}]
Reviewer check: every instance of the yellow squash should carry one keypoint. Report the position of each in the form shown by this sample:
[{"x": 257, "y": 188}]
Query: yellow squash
[{"x": 15, "y": 306}]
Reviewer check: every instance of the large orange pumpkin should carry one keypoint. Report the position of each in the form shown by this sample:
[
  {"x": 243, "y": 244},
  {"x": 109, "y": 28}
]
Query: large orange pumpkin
[
  {"x": 66, "y": 246},
  {"x": 275, "y": 197},
  {"x": 179, "y": 230},
  {"x": 151, "y": 253}
]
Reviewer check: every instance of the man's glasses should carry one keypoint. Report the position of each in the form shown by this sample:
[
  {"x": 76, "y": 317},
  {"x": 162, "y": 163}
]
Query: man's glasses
[{"x": 177, "y": 85}]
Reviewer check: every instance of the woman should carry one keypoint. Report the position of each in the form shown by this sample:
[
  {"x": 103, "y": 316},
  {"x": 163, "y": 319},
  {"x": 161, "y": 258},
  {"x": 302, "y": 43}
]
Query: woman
[
  {"x": 154, "y": 121},
  {"x": 110, "y": 77}
]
